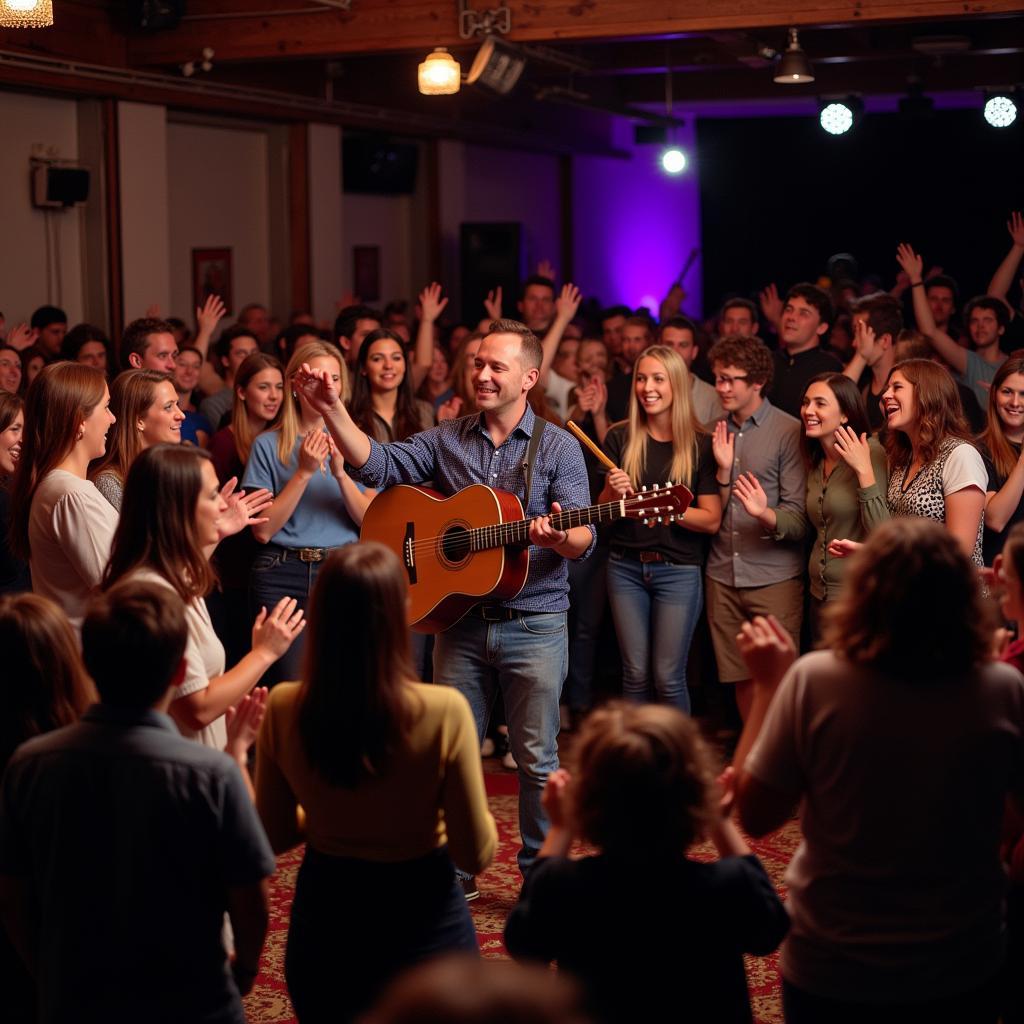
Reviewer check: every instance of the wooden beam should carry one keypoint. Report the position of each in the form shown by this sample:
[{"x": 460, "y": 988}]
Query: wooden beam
[
  {"x": 112, "y": 209},
  {"x": 298, "y": 214},
  {"x": 396, "y": 25}
]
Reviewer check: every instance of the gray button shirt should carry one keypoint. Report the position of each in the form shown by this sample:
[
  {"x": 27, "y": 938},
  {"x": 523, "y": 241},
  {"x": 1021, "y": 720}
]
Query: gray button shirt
[{"x": 744, "y": 553}]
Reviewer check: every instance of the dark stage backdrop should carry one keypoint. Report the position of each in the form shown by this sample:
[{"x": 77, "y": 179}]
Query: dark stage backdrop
[{"x": 778, "y": 197}]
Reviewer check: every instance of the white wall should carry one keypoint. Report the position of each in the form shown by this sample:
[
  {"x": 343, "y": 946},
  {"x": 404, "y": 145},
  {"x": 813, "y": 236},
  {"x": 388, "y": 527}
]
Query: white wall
[
  {"x": 218, "y": 198},
  {"x": 25, "y": 121},
  {"x": 142, "y": 159}
]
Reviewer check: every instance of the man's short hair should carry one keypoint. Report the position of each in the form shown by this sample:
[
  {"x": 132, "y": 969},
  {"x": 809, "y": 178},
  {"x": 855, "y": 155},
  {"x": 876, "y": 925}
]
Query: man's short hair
[
  {"x": 751, "y": 355},
  {"x": 133, "y": 640},
  {"x": 614, "y": 311},
  {"x": 537, "y": 279},
  {"x": 227, "y": 336},
  {"x": 679, "y": 323},
  {"x": 136, "y": 337},
  {"x": 531, "y": 355},
  {"x": 641, "y": 321},
  {"x": 813, "y": 296},
  {"x": 46, "y": 315},
  {"x": 989, "y": 302},
  {"x": 738, "y": 302},
  {"x": 345, "y": 324},
  {"x": 884, "y": 314},
  {"x": 943, "y": 281}
]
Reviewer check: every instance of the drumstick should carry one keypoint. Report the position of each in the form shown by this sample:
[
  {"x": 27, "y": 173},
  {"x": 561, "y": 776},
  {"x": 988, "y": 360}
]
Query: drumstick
[{"x": 586, "y": 442}]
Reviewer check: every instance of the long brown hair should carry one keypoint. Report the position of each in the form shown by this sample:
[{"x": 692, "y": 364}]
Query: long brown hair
[
  {"x": 937, "y": 407},
  {"x": 993, "y": 437},
  {"x": 911, "y": 605},
  {"x": 10, "y": 406},
  {"x": 360, "y": 406},
  {"x": 157, "y": 529},
  {"x": 241, "y": 428},
  {"x": 851, "y": 405},
  {"x": 45, "y": 684},
  {"x": 59, "y": 400},
  {"x": 354, "y": 711},
  {"x": 131, "y": 395}
]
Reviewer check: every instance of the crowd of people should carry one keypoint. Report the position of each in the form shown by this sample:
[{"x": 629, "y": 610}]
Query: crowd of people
[{"x": 183, "y": 579}]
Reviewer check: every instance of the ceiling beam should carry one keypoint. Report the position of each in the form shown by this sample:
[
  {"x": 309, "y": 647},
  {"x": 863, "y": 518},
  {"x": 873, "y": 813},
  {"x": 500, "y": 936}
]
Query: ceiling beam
[{"x": 253, "y": 29}]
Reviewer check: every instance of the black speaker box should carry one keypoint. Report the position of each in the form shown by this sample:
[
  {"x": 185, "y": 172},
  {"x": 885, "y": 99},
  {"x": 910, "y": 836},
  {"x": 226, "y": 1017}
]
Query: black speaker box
[{"x": 490, "y": 255}]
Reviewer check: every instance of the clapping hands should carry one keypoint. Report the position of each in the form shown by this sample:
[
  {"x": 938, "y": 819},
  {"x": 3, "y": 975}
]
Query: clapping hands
[{"x": 767, "y": 649}]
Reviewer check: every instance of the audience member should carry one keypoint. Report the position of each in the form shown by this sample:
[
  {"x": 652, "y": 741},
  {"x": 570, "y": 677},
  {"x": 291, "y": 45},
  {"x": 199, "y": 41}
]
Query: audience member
[
  {"x": 643, "y": 794},
  {"x": 148, "y": 344},
  {"x": 10, "y": 369},
  {"x": 613, "y": 320},
  {"x": 388, "y": 773},
  {"x": 738, "y": 319},
  {"x": 49, "y": 324},
  {"x": 437, "y": 386},
  {"x": 654, "y": 574},
  {"x": 1001, "y": 450},
  {"x": 317, "y": 506},
  {"x": 33, "y": 359},
  {"x": 234, "y": 346},
  {"x": 352, "y": 325},
  {"x": 463, "y": 368},
  {"x": 60, "y": 522},
  {"x": 90, "y": 345},
  {"x": 536, "y": 303},
  {"x": 173, "y": 515},
  {"x": 145, "y": 405},
  {"x": 122, "y": 845},
  {"x": 14, "y": 574},
  {"x": 803, "y": 325},
  {"x": 255, "y": 322},
  {"x": 636, "y": 336},
  {"x": 877, "y": 323},
  {"x": 749, "y": 573},
  {"x": 1002, "y": 281},
  {"x": 913, "y": 345},
  {"x": 195, "y": 427},
  {"x": 680, "y": 333},
  {"x": 292, "y": 337},
  {"x": 896, "y": 890}
]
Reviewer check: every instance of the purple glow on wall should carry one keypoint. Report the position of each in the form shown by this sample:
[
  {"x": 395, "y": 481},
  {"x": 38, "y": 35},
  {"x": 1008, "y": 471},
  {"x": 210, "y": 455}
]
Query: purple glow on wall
[{"x": 634, "y": 225}]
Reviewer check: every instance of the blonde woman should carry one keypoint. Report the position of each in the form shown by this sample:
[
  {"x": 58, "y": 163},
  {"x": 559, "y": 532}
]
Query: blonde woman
[
  {"x": 317, "y": 506},
  {"x": 654, "y": 574}
]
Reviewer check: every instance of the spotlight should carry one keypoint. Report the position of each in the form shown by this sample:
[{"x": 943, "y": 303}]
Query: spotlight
[
  {"x": 1000, "y": 109},
  {"x": 794, "y": 68},
  {"x": 439, "y": 74},
  {"x": 497, "y": 65},
  {"x": 838, "y": 116},
  {"x": 673, "y": 161}
]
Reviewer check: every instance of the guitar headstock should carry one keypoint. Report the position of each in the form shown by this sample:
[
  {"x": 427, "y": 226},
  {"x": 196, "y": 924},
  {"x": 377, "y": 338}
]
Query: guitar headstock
[{"x": 659, "y": 504}]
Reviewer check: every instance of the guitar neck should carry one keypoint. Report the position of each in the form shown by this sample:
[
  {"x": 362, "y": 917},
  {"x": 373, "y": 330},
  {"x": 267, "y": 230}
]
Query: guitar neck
[{"x": 518, "y": 531}]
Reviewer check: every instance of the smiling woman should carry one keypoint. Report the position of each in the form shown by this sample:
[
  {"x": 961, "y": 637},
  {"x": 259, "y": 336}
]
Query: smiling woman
[{"x": 1001, "y": 449}]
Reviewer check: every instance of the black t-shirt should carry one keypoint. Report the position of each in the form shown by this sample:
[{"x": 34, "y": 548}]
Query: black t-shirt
[
  {"x": 672, "y": 540},
  {"x": 792, "y": 374},
  {"x": 617, "y": 406},
  {"x": 993, "y": 540}
]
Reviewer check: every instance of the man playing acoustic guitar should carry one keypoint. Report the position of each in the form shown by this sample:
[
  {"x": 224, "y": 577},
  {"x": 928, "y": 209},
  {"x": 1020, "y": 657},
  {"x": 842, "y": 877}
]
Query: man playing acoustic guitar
[{"x": 519, "y": 645}]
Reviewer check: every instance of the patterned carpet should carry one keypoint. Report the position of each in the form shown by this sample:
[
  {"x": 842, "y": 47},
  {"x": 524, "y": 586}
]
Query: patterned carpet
[{"x": 499, "y": 888}]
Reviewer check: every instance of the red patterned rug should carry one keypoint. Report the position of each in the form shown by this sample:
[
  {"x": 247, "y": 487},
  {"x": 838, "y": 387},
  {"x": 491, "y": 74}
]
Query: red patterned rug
[{"x": 499, "y": 888}]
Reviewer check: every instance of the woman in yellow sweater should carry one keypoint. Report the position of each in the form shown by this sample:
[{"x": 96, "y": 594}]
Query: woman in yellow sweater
[{"x": 387, "y": 771}]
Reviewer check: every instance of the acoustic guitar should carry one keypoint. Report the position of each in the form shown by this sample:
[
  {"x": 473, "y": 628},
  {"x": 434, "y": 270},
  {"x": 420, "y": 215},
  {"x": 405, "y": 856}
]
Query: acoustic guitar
[{"x": 474, "y": 545}]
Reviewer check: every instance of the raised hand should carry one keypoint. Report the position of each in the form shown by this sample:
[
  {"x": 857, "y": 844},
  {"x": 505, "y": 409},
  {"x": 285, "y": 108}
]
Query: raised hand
[
  {"x": 771, "y": 303},
  {"x": 316, "y": 446},
  {"x": 748, "y": 489},
  {"x": 547, "y": 269},
  {"x": 767, "y": 649},
  {"x": 553, "y": 799},
  {"x": 911, "y": 263},
  {"x": 431, "y": 302},
  {"x": 568, "y": 303},
  {"x": 210, "y": 314},
  {"x": 843, "y": 548},
  {"x": 854, "y": 451},
  {"x": 492, "y": 304},
  {"x": 864, "y": 336},
  {"x": 317, "y": 387},
  {"x": 543, "y": 534},
  {"x": 243, "y": 722},
  {"x": 244, "y": 508},
  {"x": 1015, "y": 225},
  {"x": 21, "y": 336},
  {"x": 449, "y": 410},
  {"x": 673, "y": 302},
  {"x": 274, "y": 633},
  {"x": 618, "y": 480},
  {"x": 723, "y": 446}
]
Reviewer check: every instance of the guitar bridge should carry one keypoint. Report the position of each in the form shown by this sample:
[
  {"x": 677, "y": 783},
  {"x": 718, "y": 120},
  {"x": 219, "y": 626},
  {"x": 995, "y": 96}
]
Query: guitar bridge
[{"x": 409, "y": 552}]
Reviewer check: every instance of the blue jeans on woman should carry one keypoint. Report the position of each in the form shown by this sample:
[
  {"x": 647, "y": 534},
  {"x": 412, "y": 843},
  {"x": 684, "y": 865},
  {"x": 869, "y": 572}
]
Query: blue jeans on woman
[{"x": 655, "y": 606}]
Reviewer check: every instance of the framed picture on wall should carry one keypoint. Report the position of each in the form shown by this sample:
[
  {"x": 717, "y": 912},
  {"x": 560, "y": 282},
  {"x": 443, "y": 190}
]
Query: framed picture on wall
[
  {"x": 211, "y": 275},
  {"x": 366, "y": 272}
]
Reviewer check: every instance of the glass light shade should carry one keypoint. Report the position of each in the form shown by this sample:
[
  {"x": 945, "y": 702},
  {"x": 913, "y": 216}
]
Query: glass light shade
[
  {"x": 26, "y": 13},
  {"x": 793, "y": 68},
  {"x": 439, "y": 74}
]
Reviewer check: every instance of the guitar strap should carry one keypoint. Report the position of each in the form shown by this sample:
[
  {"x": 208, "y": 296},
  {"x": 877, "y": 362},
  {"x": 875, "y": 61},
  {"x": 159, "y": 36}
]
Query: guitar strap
[{"x": 531, "y": 455}]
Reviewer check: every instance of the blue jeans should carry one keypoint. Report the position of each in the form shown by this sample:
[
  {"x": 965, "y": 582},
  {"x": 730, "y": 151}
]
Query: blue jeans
[
  {"x": 526, "y": 660},
  {"x": 588, "y": 588},
  {"x": 655, "y": 606}
]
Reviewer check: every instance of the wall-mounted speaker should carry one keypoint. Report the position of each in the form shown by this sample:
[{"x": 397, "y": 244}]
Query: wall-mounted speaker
[
  {"x": 489, "y": 255},
  {"x": 59, "y": 186}
]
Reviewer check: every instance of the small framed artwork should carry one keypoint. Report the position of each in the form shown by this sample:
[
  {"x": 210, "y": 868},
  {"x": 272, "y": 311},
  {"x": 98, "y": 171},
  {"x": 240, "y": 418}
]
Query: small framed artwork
[
  {"x": 366, "y": 272},
  {"x": 211, "y": 275}
]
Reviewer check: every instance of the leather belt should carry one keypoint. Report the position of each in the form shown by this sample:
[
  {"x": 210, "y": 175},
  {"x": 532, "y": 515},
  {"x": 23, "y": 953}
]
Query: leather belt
[
  {"x": 636, "y": 555},
  {"x": 301, "y": 554},
  {"x": 498, "y": 613}
]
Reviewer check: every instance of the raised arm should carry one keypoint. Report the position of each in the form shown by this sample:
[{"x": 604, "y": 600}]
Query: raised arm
[
  {"x": 863, "y": 345},
  {"x": 940, "y": 340},
  {"x": 207, "y": 318},
  {"x": 566, "y": 306},
  {"x": 1002, "y": 280},
  {"x": 322, "y": 394},
  {"x": 431, "y": 307}
]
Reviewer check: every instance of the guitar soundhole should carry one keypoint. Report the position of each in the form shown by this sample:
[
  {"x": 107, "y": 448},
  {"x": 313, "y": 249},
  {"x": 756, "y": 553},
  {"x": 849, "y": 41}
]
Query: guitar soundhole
[{"x": 455, "y": 544}]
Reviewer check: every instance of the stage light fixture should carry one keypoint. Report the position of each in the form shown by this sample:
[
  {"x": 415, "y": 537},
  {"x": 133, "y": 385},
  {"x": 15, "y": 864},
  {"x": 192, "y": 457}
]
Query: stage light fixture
[
  {"x": 673, "y": 161},
  {"x": 498, "y": 65},
  {"x": 1000, "y": 109},
  {"x": 440, "y": 74},
  {"x": 838, "y": 116},
  {"x": 793, "y": 68}
]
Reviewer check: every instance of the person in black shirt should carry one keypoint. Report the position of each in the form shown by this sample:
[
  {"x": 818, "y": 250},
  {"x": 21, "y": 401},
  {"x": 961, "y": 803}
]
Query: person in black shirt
[
  {"x": 877, "y": 322},
  {"x": 654, "y": 574},
  {"x": 804, "y": 323}
]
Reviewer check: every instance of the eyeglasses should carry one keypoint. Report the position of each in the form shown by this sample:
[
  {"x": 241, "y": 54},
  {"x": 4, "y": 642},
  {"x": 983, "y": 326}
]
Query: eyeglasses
[{"x": 729, "y": 381}]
